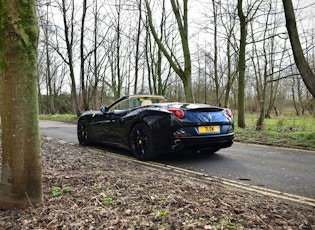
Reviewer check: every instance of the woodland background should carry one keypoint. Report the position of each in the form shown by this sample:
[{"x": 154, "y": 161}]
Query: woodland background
[{"x": 91, "y": 52}]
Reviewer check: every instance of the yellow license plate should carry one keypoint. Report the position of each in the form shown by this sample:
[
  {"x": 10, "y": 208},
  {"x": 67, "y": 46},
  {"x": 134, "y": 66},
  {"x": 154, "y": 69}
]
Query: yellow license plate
[{"x": 209, "y": 129}]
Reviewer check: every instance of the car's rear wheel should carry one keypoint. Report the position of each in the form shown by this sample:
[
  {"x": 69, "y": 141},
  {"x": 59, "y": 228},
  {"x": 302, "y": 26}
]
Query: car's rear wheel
[
  {"x": 141, "y": 142},
  {"x": 83, "y": 133}
]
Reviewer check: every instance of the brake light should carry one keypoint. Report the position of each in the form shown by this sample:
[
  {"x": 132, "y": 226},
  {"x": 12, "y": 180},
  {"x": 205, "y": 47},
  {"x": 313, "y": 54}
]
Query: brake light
[
  {"x": 228, "y": 112},
  {"x": 178, "y": 112}
]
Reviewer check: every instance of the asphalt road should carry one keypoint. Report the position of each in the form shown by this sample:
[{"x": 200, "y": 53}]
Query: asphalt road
[{"x": 286, "y": 170}]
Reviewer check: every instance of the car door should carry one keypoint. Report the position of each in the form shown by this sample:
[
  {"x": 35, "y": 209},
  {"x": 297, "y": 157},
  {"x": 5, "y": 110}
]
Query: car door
[
  {"x": 111, "y": 125},
  {"x": 106, "y": 126}
]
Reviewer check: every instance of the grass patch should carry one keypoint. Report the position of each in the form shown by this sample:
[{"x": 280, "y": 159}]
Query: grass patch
[
  {"x": 69, "y": 118},
  {"x": 286, "y": 131}
]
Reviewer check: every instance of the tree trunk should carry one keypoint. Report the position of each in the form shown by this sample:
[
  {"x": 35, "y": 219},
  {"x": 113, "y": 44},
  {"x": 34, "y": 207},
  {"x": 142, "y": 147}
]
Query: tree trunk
[
  {"x": 95, "y": 56},
  {"x": 262, "y": 101},
  {"x": 118, "y": 45},
  {"x": 299, "y": 95},
  {"x": 300, "y": 61},
  {"x": 137, "y": 56},
  {"x": 82, "y": 60},
  {"x": 21, "y": 178},
  {"x": 215, "y": 53},
  {"x": 241, "y": 67},
  {"x": 182, "y": 23},
  {"x": 296, "y": 107}
]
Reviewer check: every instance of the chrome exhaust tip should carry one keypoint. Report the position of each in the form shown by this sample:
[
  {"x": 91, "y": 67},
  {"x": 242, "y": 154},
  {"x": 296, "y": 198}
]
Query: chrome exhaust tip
[{"x": 177, "y": 144}]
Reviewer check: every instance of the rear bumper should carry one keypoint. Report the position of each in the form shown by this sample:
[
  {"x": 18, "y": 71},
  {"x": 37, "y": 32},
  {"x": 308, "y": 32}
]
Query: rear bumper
[{"x": 202, "y": 142}]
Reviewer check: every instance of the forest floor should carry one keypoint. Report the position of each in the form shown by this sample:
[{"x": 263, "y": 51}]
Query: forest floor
[{"x": 86, "y": 189}]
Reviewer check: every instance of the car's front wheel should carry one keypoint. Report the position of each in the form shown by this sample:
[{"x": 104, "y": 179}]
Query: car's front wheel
[
  {"x": 141, "y": 142},
  {"x": 83, "y": 134}
]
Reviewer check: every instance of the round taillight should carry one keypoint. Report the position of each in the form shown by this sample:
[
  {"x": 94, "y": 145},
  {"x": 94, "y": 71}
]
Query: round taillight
[{"x": 178, "y": 112}]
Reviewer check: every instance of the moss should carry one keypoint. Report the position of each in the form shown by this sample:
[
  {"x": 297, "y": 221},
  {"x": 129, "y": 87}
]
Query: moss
[
  {"x": 28, "y": 28},
  {"x": 3, "y": 27}
]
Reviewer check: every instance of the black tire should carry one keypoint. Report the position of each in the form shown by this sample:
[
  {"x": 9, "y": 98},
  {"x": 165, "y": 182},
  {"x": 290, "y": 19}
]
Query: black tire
[
  {"x": 83, "y": 133},
  {"x": 141, "y": 142}
]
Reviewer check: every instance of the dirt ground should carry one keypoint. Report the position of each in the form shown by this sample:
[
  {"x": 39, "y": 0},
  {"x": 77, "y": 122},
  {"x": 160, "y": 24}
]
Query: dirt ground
[{"x": 84, "y": 189}]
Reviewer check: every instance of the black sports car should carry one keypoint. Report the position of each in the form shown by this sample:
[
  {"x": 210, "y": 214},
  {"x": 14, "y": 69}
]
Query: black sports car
[{"x": 148, "y": 124}]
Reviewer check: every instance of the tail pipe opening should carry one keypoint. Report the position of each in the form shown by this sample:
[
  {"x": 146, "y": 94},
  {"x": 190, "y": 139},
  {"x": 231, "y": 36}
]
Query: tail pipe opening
[{"x": 177, "y": 145}]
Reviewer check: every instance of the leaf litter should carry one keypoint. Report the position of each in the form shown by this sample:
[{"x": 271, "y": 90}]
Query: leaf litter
[{"x": 85, "y": 189}]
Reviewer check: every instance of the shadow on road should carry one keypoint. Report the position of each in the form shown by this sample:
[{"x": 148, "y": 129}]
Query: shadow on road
[
  {"x": 188, "y": 156},
  {"x": 171, "y": 157}
]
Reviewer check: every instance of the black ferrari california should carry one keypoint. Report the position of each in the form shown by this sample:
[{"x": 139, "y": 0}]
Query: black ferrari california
[{"x": 148, "y": 125}]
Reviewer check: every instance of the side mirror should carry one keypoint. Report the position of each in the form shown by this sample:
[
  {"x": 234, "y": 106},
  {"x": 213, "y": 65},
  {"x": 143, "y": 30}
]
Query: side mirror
[{"x": 104, "y": 109}]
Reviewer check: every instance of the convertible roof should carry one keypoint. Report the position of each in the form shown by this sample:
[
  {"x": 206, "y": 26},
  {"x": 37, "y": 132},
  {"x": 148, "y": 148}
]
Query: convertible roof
[{"x": 144, "y": 96}]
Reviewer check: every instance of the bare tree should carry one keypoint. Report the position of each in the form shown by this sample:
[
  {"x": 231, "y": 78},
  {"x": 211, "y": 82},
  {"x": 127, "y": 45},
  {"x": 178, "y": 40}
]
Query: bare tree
[
  {"x": 244, "y": 19},
  {"x": 229, "y": 26},
  {"x": 117, "y": 56},
  {"x": 184, "y": 72},
  {"x": 158, "y": 73},
  {"x": 261, "y": 64},
  {"x": 45, "y": 25},
  {"x": 99, "y": 57},
  {"x": 301, "y": 63},
  {"x": 220, "y": 51},
  {"x": 114, "y": 50},
  {"x": 274, "y": 84},
  {"x": 69, "y": 40}
]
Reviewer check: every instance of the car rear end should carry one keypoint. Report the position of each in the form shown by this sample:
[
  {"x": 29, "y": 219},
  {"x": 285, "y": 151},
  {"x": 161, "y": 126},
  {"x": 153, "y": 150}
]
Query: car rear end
[{"x": 202, "y": 127}]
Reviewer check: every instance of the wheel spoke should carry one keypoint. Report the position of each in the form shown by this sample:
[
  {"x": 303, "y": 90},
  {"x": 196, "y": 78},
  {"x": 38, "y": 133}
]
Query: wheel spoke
[
  {"x": 141, "y": 142},
  {"x": 83, "y": 133}
]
